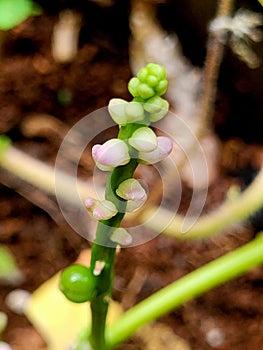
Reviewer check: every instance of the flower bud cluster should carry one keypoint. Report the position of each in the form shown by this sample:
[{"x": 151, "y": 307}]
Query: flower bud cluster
[
  {"x": 142, "y": 143},
  {"x": 150, "y": 149},
  {"x": 150, "y": 81}
]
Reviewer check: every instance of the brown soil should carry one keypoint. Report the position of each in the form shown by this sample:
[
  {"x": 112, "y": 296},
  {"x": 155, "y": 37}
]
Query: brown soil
[{"x": 30, "y": 82}]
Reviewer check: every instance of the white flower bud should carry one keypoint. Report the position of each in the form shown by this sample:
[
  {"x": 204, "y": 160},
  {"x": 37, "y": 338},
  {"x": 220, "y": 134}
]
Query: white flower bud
[
  {"x": 100, "y": 210},
  {"x": 116, "y": 109},
  {"x": 121, "y": 236},
  {"x": 132, "y": 191},
  {"x": 157, "y": 108},
  {"x": 143, "y": 139},
  {"x": 134, "y": 112},
  {"x": 4, "y": 346}
]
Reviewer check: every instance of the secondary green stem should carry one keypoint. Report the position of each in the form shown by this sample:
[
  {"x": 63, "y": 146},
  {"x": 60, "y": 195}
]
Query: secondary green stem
[{"x": 186, "y": 288}]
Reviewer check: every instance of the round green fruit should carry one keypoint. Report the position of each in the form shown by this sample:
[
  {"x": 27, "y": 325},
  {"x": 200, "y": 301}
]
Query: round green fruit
[{"x": 77, "y": 284}]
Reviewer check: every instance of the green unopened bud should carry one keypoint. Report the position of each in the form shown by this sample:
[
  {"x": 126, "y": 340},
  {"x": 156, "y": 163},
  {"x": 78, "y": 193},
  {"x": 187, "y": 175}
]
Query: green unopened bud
[
  {"x": 142, "y": 74},
  {"x": 145, "y": 91},
  {"x": 133, "y": 86},
  {"x": 161, "y": 87},
  {"x": 157, "y": 70},
  {"x": 152, "y": 80}
]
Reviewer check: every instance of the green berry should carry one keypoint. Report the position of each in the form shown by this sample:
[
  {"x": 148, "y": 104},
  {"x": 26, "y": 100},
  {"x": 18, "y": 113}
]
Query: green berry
[{"x": 77, "y": 283}]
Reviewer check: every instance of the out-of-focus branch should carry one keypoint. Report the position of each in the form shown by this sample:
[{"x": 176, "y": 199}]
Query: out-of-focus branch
[
  {"x": 41, "y": 175},
  {"x": 215, "y": 50}
]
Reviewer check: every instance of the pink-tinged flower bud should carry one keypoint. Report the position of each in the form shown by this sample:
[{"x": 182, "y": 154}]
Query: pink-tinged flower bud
[
  {"x": 164, "y": 148},
  {"x": 135, "y": 204},
  {"x": 90, "y": 203},
  {"x": 132, "y": 191},
  {"x": 100, "y": 210},
  {"x": 4, "y": 346},
  {"x": 116, "y": 109},
  {"x": 111, "y": 154},
  {"x": 143, "y": 139},
  {"x": 121, "y": 236}
]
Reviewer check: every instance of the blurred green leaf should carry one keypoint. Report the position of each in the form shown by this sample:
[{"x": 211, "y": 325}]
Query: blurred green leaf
[
  {"x": 3, "y": 322},
  {"x": 13, "y": 12},
  {"x": 9, "y": 272},
  {"x": 5, "y": 142}
]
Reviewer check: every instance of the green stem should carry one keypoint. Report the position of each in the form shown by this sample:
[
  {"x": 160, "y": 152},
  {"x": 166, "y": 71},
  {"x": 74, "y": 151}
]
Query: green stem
[
  {"x": 103, "y": 249},
  {"x": 186, "y": 288}
]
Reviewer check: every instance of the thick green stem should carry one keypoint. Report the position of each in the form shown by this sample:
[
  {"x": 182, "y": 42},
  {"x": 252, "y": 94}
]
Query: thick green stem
[
  {"x": 186, "y": 288},
  {"x": 103, "y": 249}
]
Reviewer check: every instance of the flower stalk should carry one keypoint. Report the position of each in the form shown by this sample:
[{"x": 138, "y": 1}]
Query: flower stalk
[{"x": 136, "y": 142}]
